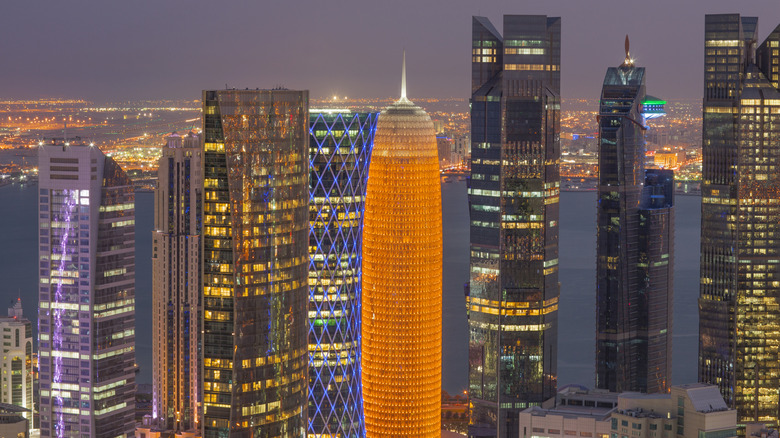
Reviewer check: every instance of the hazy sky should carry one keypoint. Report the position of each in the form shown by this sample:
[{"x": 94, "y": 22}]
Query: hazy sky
[{"x": 115, "y": 50}]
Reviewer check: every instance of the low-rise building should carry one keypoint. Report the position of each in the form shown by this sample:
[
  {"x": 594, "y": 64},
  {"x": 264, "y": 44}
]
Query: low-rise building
[
  {"x": 17, "y": 363},
  {"x": 13, "y": 423},
  {"x": 574, "y": 412},
  {"x": 691, "y": 411}
]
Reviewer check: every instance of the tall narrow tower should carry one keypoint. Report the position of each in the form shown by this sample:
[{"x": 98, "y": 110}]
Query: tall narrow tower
[
  {"x": 177, "y": 286},
  {"x": 340, "y": 149},
  {"x": 739, "y": 316},
  {"x": 402, "y": 277},
  {"x": 86, "y": 313},
  {"x": 512, "y": 299},
  {"x": 255, "y": 268},
  {"x": 635, "y": 251}
]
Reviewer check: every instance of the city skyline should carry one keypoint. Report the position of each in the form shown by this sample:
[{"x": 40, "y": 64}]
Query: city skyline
[
  {"x": 273, "y": 321},
  {"x": 142, "y": 50}
]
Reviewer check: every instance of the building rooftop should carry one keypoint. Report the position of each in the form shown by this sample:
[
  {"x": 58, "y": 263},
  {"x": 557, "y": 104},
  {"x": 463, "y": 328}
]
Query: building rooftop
[
  {"x": 62, "y": 141},
  {"x": 578, "y": 395},
  {"x": 705, "y": 398},
  {"x": 641, "y": 413},
  {"x": 639, "y": 395},
  {"x": 571, "y": 412},
  {"x": 577, "y": 401},
  {"x": 7, "y": 408}
]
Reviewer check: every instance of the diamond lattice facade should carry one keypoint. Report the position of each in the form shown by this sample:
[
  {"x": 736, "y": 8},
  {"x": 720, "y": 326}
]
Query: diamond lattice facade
[
  {"x": 339, "y": 154},
  {"x": 402, "y": 278},
  {"x": 255, "y": 270}
]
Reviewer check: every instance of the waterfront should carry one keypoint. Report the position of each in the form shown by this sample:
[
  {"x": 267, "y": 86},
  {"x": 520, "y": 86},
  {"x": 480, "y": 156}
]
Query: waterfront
[{"x": 18, "y": 276}]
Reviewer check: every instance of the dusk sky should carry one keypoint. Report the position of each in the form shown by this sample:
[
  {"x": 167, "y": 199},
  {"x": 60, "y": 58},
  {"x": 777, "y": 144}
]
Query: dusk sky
[{"x": 118, "y": 50}]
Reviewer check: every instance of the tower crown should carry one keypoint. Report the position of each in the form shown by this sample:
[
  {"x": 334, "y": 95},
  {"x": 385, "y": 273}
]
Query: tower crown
[{"x": 628, "y": 62}]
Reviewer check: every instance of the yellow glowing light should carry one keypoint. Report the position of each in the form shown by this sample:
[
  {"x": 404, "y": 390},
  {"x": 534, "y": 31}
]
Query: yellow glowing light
[{"x": 402, "y": 278}]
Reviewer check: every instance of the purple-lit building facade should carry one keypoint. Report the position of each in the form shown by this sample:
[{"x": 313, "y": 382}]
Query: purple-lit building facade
[{"x": 86, "y": 317}]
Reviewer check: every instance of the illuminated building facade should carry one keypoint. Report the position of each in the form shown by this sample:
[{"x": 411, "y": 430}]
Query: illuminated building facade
[
  {"x": 339, "y": 154},
  {"x": 512, "y": 297},
  {"x": 17, "y": 364},
  {"x": 739, "y": 316},
  {"x": 176, "y": 286},
  {"x": 635, "y": 249},
  {"x": 86, "y": 314},
  {"x": 402, "y": 277},
  {"x": 255, "y": 272}
]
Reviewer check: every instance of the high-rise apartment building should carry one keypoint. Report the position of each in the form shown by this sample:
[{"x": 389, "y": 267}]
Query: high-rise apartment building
[
  {"x": 176, "y": 286},
  {"x": 739, "y": 316},
  {"x": 256, "y": 258},
  {"x": 17, "y": 364},
  {"x": 512, "y": 297},
  {"x": 635, "y": 249},
  {"x": 86, "y": 314},
  {"x": 402, "y": 277},
  {"x": 339, "y": 153}
]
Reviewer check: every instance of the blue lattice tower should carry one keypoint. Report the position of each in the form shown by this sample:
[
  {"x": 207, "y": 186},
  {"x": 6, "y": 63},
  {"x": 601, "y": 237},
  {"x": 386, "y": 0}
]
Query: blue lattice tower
[{"x": 340, "y": 150}]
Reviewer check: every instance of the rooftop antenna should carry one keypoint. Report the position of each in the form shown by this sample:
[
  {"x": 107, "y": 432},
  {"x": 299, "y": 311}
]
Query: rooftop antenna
[{"x": 403, "y": 76}]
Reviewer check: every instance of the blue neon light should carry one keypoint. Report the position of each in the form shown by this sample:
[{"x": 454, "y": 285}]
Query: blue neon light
[{"x": 336, "y": 194}]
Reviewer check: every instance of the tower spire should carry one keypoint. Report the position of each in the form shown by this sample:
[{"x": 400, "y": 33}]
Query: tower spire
[
  {"x": 403, "y": 76},
  {"x": 628, "y": 62}
]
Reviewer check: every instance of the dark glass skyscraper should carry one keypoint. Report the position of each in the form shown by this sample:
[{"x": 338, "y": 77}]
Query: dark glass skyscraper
[
  {"x": 255, "y": 272},
  {"x": 739, "y": 302},
  {"x": 339, "y": 154},
  {"x": 512, "y": 297},
  {"x": 635, "y": 255}
]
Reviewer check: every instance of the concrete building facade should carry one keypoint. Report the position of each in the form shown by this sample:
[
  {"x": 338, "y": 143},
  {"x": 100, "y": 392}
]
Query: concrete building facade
[
  {"x": 177, "y": 286},
  {"x": 690, "y": 411}
]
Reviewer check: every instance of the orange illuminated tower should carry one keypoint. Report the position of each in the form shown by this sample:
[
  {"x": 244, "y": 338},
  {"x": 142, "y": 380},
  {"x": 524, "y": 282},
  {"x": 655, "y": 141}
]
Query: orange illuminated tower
[{"x": 402, "y": 277}]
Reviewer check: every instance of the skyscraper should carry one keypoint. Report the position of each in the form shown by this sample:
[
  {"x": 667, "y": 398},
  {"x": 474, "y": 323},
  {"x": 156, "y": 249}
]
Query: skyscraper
[
  {"x": 86, "y": 314},
  {"x": 512, "y": 298},
  {"x": 339, "y": 153},
  {"x": 255, "y": 271},
  {"x": 176, "y": 286},
  {"x": 739, "y": 316},
  {"x": 635, "y": 250},
  {"x": 17, "y": 365},
  {"x": 402, "y": 277}
]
